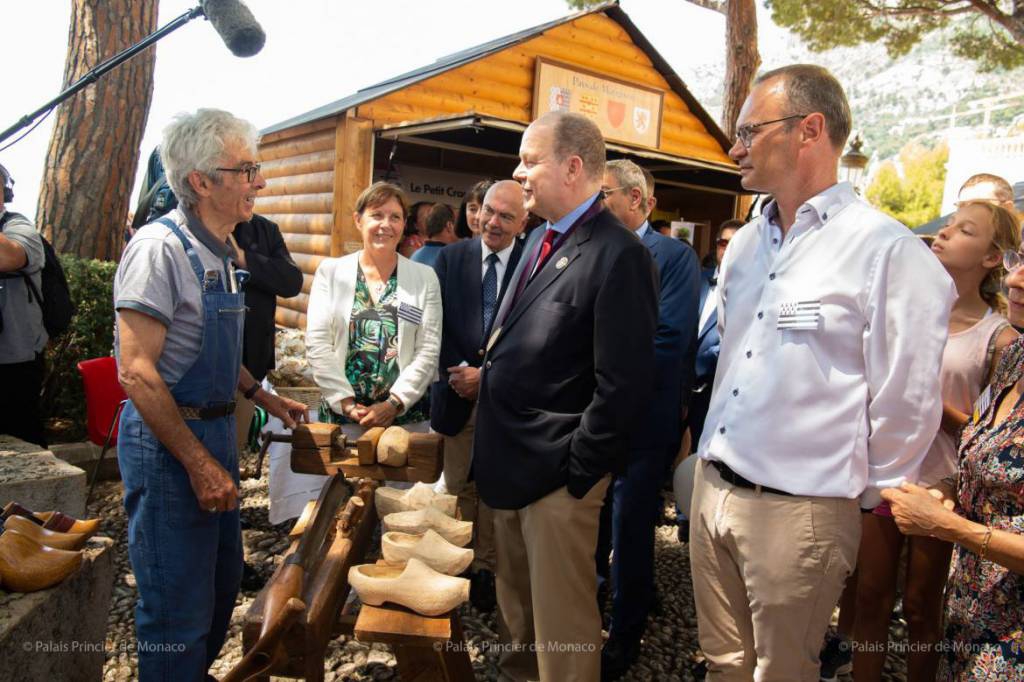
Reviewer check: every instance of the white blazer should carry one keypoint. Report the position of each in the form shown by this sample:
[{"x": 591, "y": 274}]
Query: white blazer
[{"x": 327, "y": 321}]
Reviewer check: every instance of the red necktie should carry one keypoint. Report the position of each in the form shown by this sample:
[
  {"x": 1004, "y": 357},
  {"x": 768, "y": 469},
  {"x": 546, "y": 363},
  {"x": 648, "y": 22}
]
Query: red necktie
[{"x": 545, "y": 248}]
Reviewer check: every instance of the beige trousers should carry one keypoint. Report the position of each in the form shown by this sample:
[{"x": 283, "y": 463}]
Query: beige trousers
[
  {"x": 244, "y": 410},
  {"x": 458, "y": 453},
  {"x": 546, "y": 580},
  {"x": 767, "y": 573}
]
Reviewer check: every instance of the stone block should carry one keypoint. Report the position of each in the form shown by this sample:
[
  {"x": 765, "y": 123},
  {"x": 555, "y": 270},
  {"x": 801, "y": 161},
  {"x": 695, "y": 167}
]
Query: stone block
[
  {"x": 60, "y": 633},
  {"x": 38, "y": 480},
  {"x": 86, "y": 455}
]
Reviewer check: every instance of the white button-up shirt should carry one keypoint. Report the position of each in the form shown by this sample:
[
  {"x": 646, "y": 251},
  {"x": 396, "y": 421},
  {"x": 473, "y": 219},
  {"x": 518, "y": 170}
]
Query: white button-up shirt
[
  {"x": 851, "y": 405},
  {"x": 499, "y": 267}
]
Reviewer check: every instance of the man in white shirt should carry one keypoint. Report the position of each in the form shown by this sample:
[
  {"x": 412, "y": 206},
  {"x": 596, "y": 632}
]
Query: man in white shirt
[{"x": 833, "y": 320}]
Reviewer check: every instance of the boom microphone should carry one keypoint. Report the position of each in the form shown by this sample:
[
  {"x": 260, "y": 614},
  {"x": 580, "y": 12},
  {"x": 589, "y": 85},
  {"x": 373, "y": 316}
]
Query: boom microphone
[{"x": 236, "y": 26}]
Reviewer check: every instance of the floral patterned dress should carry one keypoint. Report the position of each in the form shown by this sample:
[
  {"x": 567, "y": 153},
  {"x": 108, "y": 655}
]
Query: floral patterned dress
[
  {"x": 372, "y": 362},
  {"x": 985, "y": 601}
]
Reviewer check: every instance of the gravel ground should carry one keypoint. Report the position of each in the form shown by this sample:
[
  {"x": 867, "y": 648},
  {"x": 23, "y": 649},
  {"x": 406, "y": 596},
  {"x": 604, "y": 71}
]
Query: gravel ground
[{"x": 669, "y": 650}]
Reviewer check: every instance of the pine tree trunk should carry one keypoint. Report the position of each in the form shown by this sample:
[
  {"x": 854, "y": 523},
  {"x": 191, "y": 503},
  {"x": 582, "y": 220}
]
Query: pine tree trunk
[
  {"x": 741, "y": 59},
  {"x": 94, "y": 149}
]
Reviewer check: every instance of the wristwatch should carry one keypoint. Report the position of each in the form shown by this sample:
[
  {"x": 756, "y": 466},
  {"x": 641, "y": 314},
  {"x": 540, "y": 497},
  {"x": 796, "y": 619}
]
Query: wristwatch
[
  {"x": 395, "y": 403},
  {"x": 252, "y": 390}
]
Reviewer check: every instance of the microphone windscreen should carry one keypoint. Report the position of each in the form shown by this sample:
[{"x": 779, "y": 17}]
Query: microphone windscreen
[{"x": 236, "y": 26}]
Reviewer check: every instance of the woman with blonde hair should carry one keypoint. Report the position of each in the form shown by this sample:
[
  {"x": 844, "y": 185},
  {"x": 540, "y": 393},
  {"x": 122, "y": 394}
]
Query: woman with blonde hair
[{"x": 971, "y": 248}]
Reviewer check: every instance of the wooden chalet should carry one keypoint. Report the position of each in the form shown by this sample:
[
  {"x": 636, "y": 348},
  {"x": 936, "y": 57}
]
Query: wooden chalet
[{"x": 439, "y": 129}]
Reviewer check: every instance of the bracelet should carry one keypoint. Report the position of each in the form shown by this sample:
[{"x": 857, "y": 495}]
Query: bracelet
[
  {"x": 252, "y": 390},
  {"x": 984, "y": 543}
]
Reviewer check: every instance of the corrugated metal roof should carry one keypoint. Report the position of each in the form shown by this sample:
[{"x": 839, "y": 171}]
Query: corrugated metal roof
[{"x": 457, "y": 59}]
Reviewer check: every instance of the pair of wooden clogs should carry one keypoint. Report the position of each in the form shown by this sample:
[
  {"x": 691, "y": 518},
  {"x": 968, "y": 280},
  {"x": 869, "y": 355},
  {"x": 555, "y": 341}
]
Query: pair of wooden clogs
[{"x": 34, "y": 557}]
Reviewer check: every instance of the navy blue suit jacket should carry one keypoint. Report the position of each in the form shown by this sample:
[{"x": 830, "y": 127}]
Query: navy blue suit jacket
[
  {"x": 460, "y": 273},
  {"x": 708, "y": 341},
  {"x": 675, "y": 342},
  {"x": 571, "y": 369}
]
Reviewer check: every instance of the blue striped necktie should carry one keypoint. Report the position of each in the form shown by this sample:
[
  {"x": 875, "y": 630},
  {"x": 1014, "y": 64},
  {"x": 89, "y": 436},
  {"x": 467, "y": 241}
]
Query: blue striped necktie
[{"x": 489, "y": 291}]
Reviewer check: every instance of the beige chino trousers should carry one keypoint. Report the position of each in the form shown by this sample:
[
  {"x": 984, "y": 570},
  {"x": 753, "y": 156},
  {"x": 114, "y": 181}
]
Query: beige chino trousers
[
  {"x": 767, "y": 573},
  {"x": 458, "y": 454},
  {"x": 546, "y": 580}
]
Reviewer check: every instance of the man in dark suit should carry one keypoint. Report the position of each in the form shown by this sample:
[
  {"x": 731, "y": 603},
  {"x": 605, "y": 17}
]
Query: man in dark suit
[
  {"x": 633, "y": 503},
  {"x": 474, "y": 275},
  {"x": 261, "y": 250},
  {"x": 568, "y": 369},
  {"x": 707, "y": 335}
]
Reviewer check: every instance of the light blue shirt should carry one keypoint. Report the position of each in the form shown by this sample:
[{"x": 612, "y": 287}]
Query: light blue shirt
[
  {"x": 563, "y": 225},
  {"x": 642, "y": 231}
]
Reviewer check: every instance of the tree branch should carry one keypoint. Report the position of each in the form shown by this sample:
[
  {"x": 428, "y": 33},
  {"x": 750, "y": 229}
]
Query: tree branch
[
  {"x": 946, "y": 9},
  {"x": 991, "y": 10}
]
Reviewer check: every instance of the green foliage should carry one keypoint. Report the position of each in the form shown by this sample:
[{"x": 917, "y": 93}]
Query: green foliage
[
  {"x": 916, "y": 197},
  {"x": 91, "y": 335},
  {"x": 899, "y": 25}
]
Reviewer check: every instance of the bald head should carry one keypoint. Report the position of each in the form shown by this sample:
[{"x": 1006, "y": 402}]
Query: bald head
[{"x": 502, "y": 215}]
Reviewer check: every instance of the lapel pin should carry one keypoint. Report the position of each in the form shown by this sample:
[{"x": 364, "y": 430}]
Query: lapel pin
[{"x": 562, "y": 262}]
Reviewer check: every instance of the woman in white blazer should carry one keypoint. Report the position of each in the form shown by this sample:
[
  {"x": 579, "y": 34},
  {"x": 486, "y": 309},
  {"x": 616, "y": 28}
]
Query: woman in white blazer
[{"x": 373, "y": 325}]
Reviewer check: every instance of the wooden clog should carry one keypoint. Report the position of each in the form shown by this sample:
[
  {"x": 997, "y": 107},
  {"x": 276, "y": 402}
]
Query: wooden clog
[
  {"x": 53, "y": 520},
  {"x": 50, "y": 538},
  {"x": 430, "y": 548},
  {"x": 420, "y": 521},
  {"x": 27, "y": 566},
  {"x": 415, "y": 586},
  {"x": 420, "y": 496}
]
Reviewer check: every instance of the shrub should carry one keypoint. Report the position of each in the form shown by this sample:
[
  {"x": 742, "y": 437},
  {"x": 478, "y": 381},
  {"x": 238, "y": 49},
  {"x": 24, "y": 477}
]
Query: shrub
[{"x": 91, "y": 335}]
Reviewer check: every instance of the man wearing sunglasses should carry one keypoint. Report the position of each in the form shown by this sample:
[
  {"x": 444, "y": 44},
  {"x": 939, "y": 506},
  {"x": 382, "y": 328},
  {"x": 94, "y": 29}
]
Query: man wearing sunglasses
[{"x": 833, "y": 320}]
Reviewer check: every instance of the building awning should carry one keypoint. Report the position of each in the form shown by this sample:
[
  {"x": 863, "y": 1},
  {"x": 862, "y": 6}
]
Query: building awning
[{"x": 491, "y": 136}]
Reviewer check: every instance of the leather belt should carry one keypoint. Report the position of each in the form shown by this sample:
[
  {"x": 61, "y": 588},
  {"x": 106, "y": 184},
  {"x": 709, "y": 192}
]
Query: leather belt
[
  {"x": 730, "y": 476},
  {"x": 214, "y": 411}
]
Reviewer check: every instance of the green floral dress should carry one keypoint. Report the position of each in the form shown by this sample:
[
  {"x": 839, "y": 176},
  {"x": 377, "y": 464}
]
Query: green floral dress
[{"x": 372, "y": 362}]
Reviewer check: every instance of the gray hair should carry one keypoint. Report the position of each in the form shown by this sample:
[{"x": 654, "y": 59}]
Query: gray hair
[
  {"x": 628, "y": 176},
  {"x": 812, "y": 89},
  {"x": 196, "y": 142},
  {"x": 577, "y": 135}
]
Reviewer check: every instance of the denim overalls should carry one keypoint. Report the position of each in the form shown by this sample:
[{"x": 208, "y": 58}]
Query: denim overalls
[{"x": 187, "y": 561}]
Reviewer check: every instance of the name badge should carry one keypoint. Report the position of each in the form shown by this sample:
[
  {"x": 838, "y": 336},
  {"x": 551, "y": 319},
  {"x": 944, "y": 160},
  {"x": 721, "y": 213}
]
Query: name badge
[
  {"x": 801, "y": 315},
  {"x": 494, "y": 337},
  {"x": 982, "y": 403},
  {"x": 410, "y": 313}
]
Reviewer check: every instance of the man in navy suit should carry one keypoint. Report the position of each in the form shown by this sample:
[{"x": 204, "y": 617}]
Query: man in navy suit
[
  {"x": 474, "y": 275},
  {"x": 633, "y": 504},
  {"x": 707, "y": 335},
  {"x": 569, "y": 367}
]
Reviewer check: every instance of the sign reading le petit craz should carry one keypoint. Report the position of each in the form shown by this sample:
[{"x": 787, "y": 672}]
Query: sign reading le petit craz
[{"x": 625, "y": 112}]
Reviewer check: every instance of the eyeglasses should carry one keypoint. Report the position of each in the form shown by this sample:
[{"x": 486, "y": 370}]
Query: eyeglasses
[
  {"x": 745, "y": 134},
  {"x": 1012, "y": 260},
  {"x": 250, "y": 171},
  {"x": 606, "y": 192}
]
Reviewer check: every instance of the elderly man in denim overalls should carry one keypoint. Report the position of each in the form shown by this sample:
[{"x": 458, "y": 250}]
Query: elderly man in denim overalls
[{"x": 179, "y": 345}]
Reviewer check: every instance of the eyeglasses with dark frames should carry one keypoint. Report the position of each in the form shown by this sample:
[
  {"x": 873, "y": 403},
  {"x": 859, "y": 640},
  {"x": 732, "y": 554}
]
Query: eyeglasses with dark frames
[
  {"x": 606, "y": 192},
  {"x": 250, "y": 171},
  {"x": 745, "y": 134}
]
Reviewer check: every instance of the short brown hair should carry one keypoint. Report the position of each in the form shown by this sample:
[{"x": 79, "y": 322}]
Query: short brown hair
[
  {"x": 438, "y": 218},
  {"x": 730, "y": 224},
  {"x": 813, "y": 89},
  {"x": 577, "y": 135},
  {"x": 380, "y": 193}
]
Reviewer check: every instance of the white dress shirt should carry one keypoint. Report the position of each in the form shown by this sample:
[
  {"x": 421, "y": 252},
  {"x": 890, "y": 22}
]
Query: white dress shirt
[
  {"x": 499, "y": 267},
  {"x": 709, "y": 303},
  {"x": 850, "y": 406}
]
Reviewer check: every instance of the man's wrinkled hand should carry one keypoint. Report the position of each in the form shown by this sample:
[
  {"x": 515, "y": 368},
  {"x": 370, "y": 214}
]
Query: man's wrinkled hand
[
  {"x": 290, "y": 412},
  {"x": 213, "y": 486}
]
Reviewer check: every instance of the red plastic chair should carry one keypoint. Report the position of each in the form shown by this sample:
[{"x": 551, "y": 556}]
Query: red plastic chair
[{"x": 104, "y": 400}]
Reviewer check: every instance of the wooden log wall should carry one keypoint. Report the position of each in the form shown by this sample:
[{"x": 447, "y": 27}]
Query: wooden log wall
[
  {"x": 299, "y": 165},
  {"x": 502, "y": 85}
]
